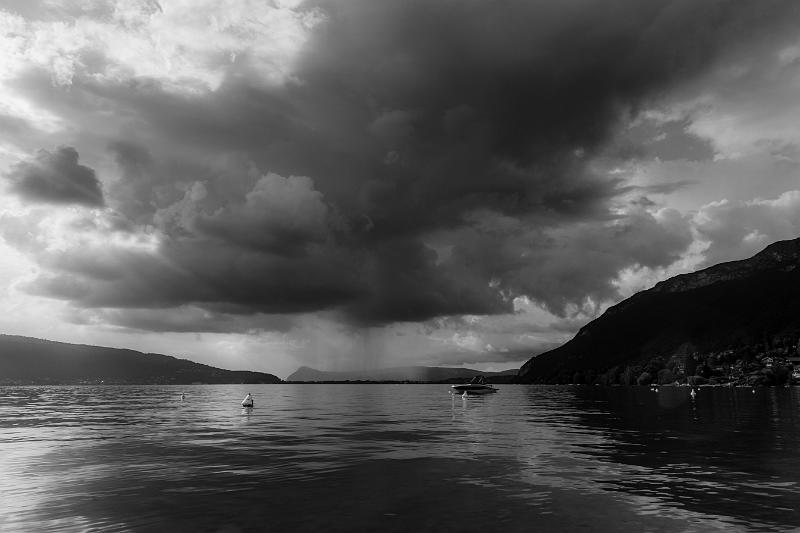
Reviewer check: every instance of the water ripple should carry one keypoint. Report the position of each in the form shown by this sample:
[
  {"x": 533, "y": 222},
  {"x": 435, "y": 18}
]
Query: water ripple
[{"x": 363, "y": 457}]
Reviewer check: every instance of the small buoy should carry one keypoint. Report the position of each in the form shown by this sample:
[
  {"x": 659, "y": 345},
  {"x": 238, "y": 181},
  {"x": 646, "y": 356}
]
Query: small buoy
[
  {"x": 248, "y": 401},
  {"x": 754, "y": 390},
  {"x": 464, "y": 395},
  {"x": 693, "y": 393},
  {"x": 655, "y": 389},
  {"x": 183, "y": 396}
]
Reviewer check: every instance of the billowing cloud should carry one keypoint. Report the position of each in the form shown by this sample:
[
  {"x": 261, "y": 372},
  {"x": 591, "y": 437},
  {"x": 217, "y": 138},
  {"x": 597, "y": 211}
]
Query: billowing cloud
[
  {"x": 570, "y": 265},
  {"x": 56, "y": 178},
  {"x": 278, "y": 213},
  {"x": 388, "y": 163},
  {"x": 168, "y": 41},
  {"x": 734, "y": 230}
]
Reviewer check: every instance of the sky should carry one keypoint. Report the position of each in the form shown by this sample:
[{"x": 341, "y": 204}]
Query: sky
[{"x": 352, "y": 184}]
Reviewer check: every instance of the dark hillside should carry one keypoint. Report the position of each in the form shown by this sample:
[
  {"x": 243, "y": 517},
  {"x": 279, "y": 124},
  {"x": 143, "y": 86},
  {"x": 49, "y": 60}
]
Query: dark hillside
[
  {"x": 742, "y": 303},
  {"x": 28, "y": 360}
]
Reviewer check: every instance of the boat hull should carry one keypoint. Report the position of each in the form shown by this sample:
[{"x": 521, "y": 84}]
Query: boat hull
[{"x": 473, "y": 389}]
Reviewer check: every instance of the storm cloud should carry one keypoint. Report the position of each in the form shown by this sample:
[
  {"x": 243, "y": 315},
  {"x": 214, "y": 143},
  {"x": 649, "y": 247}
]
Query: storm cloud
[
  {"x": 418, "y": 159},
  {"x": 56, "y": 178}
]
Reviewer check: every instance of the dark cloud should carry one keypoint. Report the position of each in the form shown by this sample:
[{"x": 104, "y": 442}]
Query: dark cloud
[
  {"x": 277, "y": 214},
  {"x": 665, "y": 188},
  {"x": 570, "y": 265},
  {"x": 182, "y": 319},
  {"x": 133, "y": 194},
  {"x": 56, "y": 178},
  {"x": 424, "y": 159},
  {"x": 673, "y": 141},
  {"x": 218, "y": 275},
  {"x": 405, "y": 282},
  {"x": 735, "y": 230},
  {"x": 665, "y": 140}
]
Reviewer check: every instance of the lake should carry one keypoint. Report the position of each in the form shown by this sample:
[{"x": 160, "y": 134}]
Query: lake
[{"x": 398, "y": 458}]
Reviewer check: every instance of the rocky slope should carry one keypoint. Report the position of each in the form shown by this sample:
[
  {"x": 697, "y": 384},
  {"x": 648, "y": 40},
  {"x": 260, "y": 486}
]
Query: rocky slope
[{"x": 748, "y": 302}]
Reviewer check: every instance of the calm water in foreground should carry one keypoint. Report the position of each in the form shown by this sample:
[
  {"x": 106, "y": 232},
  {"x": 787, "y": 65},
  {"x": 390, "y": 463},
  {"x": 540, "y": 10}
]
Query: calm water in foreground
[{"x": 398, "y": 458}]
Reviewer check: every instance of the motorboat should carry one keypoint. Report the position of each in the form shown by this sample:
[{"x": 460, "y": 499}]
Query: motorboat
[{"x": 478, "y": 385}]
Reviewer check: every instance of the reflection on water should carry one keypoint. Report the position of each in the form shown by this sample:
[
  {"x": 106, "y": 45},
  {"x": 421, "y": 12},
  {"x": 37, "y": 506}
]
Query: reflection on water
[{"x": 397, "y": 457}]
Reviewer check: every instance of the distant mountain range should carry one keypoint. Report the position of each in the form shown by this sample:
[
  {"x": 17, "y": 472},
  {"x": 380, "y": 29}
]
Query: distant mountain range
[
  {"x": 25, "y": 360},
  {"x": 751, "y": 302},
  {"x": 404, "y": 373}
]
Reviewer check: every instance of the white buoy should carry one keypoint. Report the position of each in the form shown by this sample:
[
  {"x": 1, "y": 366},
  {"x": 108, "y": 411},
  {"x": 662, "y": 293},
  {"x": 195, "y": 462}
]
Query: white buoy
[
  {"x": 465, "y": 395},
  {"x": 693, "y": 393},
  {"x": 248, "y": 401}
]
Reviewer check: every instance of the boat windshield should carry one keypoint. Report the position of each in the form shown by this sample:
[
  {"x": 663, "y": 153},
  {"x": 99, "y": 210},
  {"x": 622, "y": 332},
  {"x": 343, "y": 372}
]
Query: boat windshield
[{"x": 478, "y": 380}]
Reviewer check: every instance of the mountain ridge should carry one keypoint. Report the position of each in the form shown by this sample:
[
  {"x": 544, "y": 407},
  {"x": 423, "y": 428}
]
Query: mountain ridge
[
  {"x": 29, "y": 360},
  {"x": 737, "y": 303},
  {"x": 402, "y": 373}
]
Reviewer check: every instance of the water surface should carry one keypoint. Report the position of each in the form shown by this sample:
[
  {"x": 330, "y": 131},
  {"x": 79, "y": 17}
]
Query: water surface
[{"x": 397, "y": 458}]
